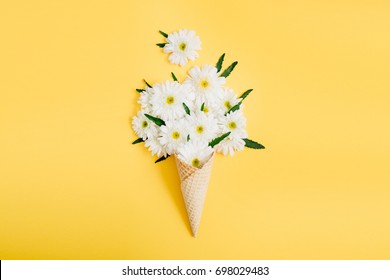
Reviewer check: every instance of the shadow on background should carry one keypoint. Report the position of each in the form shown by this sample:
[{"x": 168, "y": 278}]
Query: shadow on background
[{"x": 170, "y": 176}]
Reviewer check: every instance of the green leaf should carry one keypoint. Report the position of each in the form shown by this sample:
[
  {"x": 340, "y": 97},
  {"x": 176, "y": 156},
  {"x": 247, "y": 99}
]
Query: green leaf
[
  {"x": 139, "y": 140},
  {"x": 164, "y": 34},
  {"x": 139, "y": 90},
  {"x": 217, "y": 140},
  {"x": 161, "y": 45},
  {"x": 220, "y": 62},
  {"x": 173, "y": 77},
  {"x": 202, "y": 107},
  {"x": 162, "y": 158},
  {"x": 147, "y": 83},
  {"x": 229, "y": 69},
  {"x": 245, "y": 94},
  {"x": 252, "y": 144},
  {"x": 157, "y": 121},
  {"x": 186, "y": 108},
  {"x": 188, "y": 137}
]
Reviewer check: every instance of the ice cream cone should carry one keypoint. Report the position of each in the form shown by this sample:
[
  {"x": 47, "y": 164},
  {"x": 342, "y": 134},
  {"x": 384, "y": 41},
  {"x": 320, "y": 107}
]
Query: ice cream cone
[{"x": 194, "y": 184}]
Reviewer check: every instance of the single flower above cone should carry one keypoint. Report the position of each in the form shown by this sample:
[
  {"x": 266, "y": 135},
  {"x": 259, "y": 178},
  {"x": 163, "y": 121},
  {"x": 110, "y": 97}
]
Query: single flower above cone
[{"x": 182, "y": 46}]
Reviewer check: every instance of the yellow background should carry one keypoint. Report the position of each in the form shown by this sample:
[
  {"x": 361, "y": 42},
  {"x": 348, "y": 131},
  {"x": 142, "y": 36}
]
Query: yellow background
[{"x": 73, "y": 187}]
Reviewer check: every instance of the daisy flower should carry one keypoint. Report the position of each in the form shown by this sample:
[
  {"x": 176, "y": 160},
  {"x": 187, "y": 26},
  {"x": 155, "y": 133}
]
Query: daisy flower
[
  {"x": 168, "y": 98},
  {"x": 234, "y": 122},
  {"x": 155, "y": 147},
  {"x": 195, "y": 153},
  {"x": 144, "y": 99},
  {"x": 209, "y": 108},
  {"x": 173, "y": 134},
  {"x": 230, "y": 145},
  {"x": 202, "y": 127},
  {"x": 183, "y": 46},
  {"x": 227, "y": 100},
  {"x": 205, "y": 82},
  {"x": 143, "y": 127}
]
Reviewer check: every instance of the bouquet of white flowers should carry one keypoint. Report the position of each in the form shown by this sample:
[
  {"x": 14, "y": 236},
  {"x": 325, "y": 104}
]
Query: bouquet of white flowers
[{"x": 192, "y": 120}]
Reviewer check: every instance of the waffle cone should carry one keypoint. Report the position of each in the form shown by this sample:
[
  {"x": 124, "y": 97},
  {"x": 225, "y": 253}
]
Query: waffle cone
[{"x": 194, "y": 184}]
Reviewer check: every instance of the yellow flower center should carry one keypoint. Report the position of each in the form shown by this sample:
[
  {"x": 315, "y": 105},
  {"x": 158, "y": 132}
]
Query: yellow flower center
[
  {"x": 195, "y": 162},
  {"x": 175, "y": 135},
  {"x": 182, "y": 46},
  {"x": 205, "y": 109},
  {"x": 199, "y": 129},
  {"x": 227, "y": 105},
  {"x": 170, "y": 100},
  {"x": 232, "y": 125},
  {"x": 144, "y": 124},
  {"x": 204, "y": 83}
]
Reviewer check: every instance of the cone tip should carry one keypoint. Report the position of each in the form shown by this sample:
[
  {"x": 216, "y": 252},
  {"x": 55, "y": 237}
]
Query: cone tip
[{"x": 194, "y": 232}]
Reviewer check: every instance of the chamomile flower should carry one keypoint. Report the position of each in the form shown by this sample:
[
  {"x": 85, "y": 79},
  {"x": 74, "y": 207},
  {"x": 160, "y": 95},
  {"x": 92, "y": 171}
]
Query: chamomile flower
[
  {"x": 155, "y": 147},
  {"x": 195, "y": 153},
  {"x": 234, "y": 122},
  {"x": 144, "y": 99},
  {"x": 202, "y": 127},
  {"x": 182, "y": 45},
  {"x": 143, "y": 127},
  {"x": 230, "y": 145},
  {"x": 205, "y": 81},
  {"x": 173, "y": 134},
  {"x": 227, "y": 100},
  {"x": 168, "y": 98},
  {"x": 209, "y": 108}
]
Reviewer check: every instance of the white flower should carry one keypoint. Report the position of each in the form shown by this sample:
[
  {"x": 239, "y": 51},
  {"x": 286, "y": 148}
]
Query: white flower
[
  {"x": 195, "y": 153},
  {"x": 143, "y": 127},
  {"x": 206, "y": 82},
  {"x": 227, "y": 100},
  {"x": 183, "y": 46},
  {"x": 155, "y": 147},
  {"x": 202, "y": 127},
  {"x": 230, "y": 145},
  {"x": 173, "y": 134},
  {"x": 208, "y": 107},
  {"x": 144, "y": 99},
  {"x": 234, "y": 122},
  {"x": 168, "y": 98}
]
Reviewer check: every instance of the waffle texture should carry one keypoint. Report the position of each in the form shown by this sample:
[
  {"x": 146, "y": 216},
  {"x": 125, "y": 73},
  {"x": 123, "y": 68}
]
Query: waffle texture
[{"x": 194, "y": 184}]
